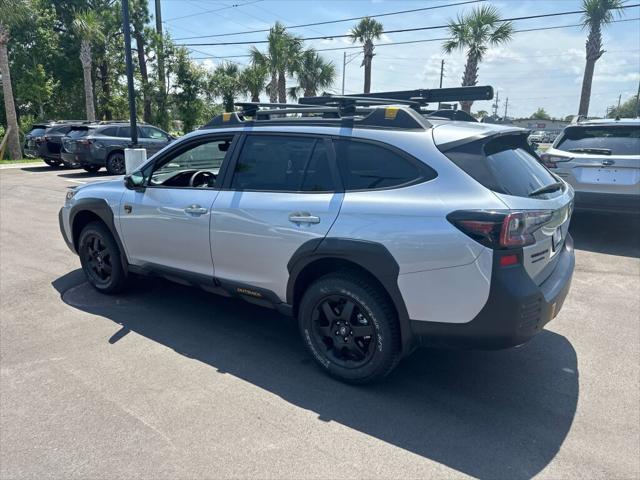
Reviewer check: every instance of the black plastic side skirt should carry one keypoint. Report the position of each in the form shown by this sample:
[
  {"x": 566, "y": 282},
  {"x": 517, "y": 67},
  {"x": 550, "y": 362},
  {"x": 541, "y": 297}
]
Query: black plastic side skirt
[{"x": 371, "y": 256}]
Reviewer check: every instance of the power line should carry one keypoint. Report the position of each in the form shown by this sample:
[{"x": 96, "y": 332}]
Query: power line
[
  {"x": 403, "y": 30},
  {"x": 302, "y": 25},
  {"x": 419, "y": 41},
  {"x": 226, "y": 7}
]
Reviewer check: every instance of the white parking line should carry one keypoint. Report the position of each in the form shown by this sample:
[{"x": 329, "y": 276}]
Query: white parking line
[{"x": 75, "y": 181}]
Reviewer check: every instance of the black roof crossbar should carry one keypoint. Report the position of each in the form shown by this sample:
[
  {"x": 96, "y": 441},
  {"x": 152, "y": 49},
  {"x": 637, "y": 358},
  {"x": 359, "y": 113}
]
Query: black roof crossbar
[
  {"x": 412, "y": 98},
  {"x": 251, "y": 108},
  {"x": 458, "y": 115}
]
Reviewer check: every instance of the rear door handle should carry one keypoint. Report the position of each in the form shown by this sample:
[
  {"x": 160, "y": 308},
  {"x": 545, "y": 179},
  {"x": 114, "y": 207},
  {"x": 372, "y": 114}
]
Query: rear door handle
[
  {"x": 196, "y": 210},
  {"x": 303, "y": 217}
]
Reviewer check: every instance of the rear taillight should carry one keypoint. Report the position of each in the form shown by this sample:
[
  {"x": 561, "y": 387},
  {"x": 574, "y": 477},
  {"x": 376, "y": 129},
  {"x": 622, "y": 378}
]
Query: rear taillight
[{"x": 500, "y": 229}]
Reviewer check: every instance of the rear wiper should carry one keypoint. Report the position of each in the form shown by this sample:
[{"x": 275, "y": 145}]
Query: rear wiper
[
  {"x": 552, "y": 187},
  {"x": 603, "y": 151}
]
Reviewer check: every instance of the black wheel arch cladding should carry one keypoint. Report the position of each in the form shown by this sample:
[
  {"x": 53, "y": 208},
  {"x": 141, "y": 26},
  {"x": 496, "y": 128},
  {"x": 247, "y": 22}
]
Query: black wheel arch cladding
[
  {"x": 101, "y": 209},
  {"x": 372, "y": 257}
]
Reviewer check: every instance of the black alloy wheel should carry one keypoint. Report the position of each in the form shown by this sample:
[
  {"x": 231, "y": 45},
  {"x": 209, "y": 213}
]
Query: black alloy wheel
[
  {"x": 98, "y": 259},
  {"x": 116, "y": 164},
  {"x": 342, "y": 328}
]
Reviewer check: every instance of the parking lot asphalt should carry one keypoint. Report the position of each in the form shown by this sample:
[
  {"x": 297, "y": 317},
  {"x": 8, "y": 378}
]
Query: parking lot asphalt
[{"x": 167, "y": 382}]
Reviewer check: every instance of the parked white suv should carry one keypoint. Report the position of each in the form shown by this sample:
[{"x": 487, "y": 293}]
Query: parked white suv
[
  {"x": 379, "y": 229},
  {"x": 601, "y": 160}
]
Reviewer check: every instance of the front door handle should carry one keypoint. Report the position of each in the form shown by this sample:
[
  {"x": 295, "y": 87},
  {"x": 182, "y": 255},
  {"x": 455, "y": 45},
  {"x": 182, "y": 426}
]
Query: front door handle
[
  {"x": 303, "y": 217},
  {"x": 196, "y": 210}
]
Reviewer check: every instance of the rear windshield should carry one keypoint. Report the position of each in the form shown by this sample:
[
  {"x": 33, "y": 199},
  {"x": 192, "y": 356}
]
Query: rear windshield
[
  {"x": 77, "y": 132},
  {"x": 37, "y": 131},
  {"x": 614, "y": 140},
  {"x": 504, "y": 164}
]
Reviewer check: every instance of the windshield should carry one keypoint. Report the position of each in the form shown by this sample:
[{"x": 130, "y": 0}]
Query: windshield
[
  {"x": 619, "y": 140},
  {"x": 37, "y": 131},
  {"x": 77, "y": 132},
  {"x": 505, "y": 165}
]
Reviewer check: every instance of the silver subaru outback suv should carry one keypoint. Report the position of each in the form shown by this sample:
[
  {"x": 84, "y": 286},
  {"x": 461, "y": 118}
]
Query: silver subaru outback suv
[{"x": 379, "y": 225}]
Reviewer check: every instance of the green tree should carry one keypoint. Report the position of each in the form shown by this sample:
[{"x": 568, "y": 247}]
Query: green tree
[
  {"x": 480, "y": 114},
  {"x": 314, "y": 73},
  {"x": 628, "y": 109},
  {"x": 540, "y": 114},
  {"x": 253, "y": 80},
  {"x": 36, "y": 89},
  {"x": 474, "y": 32},
  {"x": 188, "y": 89},
  {"x": 596, "y": 14},
  {"x": 225, "y": 83},
  {"x": 365, "y": 32},
  {"x": 88, "y": 29},
  {"x": 14, "y": 12},
  {"x": 281, "y": 56}
]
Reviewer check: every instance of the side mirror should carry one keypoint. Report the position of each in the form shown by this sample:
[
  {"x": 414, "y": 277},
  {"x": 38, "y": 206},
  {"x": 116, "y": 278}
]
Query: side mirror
[{"x": 134, "y": 181}]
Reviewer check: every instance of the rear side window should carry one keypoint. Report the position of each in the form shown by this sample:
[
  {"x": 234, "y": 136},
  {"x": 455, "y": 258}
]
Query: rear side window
[
  {"x": 282, "y": 163},
  {"x": 124, "y": 132},
  {"x": 364, "y": 166},
  {"x": 613, "y": 140},
  {"x": 109, "y": 132},
  {"x": 504, "y": 164}
]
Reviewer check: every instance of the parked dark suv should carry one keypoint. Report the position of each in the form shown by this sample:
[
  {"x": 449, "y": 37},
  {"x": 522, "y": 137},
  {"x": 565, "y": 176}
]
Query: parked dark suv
[{"x": 93, "y": 146}]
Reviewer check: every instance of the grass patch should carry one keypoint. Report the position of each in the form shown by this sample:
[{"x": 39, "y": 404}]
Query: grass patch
[{"x": 18, "y": 162}]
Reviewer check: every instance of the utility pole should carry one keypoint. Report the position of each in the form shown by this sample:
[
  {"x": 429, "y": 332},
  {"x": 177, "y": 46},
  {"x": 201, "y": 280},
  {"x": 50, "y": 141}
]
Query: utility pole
[
  {"x": 506, "y": 106},
  {"x": 638, "y": 101},
  {"x": 441, "y": 76},
  {"x": 127, "y": 57},
  {"x": 495, "y": 106},
  {"x": 161, "y": 76},
  {"x": 344, "y": 67}
]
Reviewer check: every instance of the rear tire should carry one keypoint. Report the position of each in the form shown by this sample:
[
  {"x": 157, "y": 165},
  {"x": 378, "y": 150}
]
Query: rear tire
[
  {"x": 101, "y": 259},
  {"x": 350, "y": 327},
  {"x": 52, "y": 163},
  {"x": 115, "y": 164},
  {"x": 91, "y": 168}
]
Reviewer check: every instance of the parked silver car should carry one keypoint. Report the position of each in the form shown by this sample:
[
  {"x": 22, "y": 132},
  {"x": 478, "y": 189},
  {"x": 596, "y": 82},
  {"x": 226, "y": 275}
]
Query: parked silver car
[
  {"x": 601, "y": 160},
  {"x": 378, "y": 228}
]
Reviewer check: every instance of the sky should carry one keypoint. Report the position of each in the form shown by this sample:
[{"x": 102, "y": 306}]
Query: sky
[{"x": 536, "y": 69}]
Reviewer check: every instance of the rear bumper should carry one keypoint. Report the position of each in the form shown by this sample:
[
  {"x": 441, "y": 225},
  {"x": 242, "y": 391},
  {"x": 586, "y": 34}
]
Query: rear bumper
[
  {"x": 517, "y": 309},
  {"x": 30, "y": 152},
  {"x": 72, "y": 159},
  {"x": 607, "y": 202}
]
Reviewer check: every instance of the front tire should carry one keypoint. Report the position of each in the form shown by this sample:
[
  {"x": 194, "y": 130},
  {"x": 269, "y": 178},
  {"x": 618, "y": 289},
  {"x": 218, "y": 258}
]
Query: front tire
[
  {"x": 115, "y": 164},
  {"x": 350, "y": 327},
  {"x": 101, "y": 259}
]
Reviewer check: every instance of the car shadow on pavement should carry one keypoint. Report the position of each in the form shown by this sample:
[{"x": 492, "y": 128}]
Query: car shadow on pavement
[
  {"x": 84, "y": 174},
  {"x": 613, "y": 234},
  {"x": 41, "y": 168},
  {"x": 501, "y": 414}
]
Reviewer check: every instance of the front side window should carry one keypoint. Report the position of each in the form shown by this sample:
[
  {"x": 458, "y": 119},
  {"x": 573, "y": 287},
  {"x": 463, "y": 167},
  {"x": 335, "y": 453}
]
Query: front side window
[
  {"x": 607, "y": 140},
  {"x": 364, "y": 166},
  {"x": 154, "y": 133},
  {"x": 198, "y": 166},
  {"x": 283, "y": 163}
]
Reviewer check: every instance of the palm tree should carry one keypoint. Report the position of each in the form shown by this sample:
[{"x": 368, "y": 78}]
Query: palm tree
[
  {"x": 314, "y": 73},
  {"x": 13, "y": 12},
  {"x": 253, "y": 80},
  {"x": 281, "y": 56},
  {"x": 596, "y": 13},
  {"x": 474, "y": 32},
  {"x": 225, "y": 83},
  {"x": 87, "y": 26},
  {"x": 366, "y": 32}
]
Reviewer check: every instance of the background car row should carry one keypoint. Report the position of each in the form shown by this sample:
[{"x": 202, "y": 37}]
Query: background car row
[{"x": 90, "y": 145}]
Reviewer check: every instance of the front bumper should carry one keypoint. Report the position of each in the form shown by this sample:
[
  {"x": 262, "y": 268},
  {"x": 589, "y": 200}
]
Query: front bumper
[
  {"x": 517, "y": 309},
  {"x": 65, "y": 228},
  {"x": 607, "y": 202}
]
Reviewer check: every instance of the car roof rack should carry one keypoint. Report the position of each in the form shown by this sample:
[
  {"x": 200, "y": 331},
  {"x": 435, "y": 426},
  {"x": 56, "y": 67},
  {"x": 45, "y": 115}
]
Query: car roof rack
[{"x": 390, "y": 110}]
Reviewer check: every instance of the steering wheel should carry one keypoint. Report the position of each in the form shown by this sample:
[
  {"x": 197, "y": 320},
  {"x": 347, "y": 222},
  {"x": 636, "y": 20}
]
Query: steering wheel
[{"x": 202, "y": 178}]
